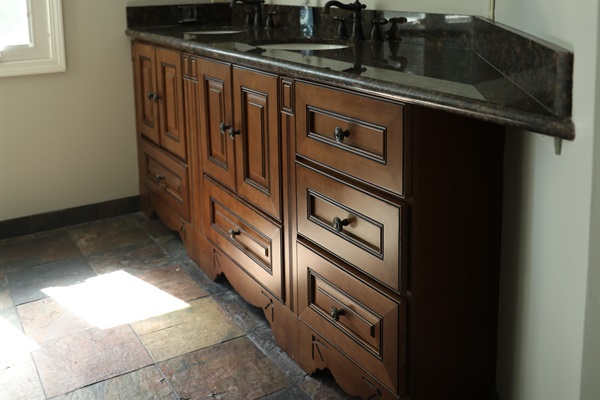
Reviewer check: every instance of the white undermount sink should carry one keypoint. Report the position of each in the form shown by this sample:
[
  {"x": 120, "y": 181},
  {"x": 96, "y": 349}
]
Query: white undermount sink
[
  {"x": 214, "y": 32},
  {"x": 302, "y": 46}
]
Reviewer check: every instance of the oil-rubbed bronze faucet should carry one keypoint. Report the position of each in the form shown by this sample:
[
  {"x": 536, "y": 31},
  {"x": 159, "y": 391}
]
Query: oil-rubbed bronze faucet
[
  {"x": 257, "y": 9},
  {"x": 356, "y": 8}
]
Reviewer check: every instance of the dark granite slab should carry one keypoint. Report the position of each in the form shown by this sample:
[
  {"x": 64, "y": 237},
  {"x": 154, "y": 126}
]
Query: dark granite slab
[{"x": 462, "y": 64}]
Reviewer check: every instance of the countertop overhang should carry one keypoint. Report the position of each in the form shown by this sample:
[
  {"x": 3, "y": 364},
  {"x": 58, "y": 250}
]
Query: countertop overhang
[{"x": 481, "y": 70}]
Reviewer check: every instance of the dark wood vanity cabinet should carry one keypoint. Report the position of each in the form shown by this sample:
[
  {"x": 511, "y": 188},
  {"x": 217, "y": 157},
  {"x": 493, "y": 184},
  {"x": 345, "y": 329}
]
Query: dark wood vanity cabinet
[
  {"x": 367, "y": 229},
  {"x": 162, "y": 138},
  {"x": 240, "y": 138},
  {"x": 398, "y": 245}
]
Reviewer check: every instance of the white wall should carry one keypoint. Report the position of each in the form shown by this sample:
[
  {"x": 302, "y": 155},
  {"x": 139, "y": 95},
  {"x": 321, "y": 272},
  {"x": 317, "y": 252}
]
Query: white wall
[{"x": 547, "y": 223}]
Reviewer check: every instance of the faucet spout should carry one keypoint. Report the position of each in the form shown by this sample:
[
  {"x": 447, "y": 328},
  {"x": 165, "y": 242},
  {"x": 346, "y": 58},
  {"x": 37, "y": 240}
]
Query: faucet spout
[
  {"x": 356, "y": 8},
  {"x": 332, "y": 3}
]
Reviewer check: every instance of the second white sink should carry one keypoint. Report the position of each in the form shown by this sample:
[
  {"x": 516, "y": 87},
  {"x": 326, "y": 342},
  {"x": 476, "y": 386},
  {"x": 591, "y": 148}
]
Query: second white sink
[{"x": 302, "y": 46}]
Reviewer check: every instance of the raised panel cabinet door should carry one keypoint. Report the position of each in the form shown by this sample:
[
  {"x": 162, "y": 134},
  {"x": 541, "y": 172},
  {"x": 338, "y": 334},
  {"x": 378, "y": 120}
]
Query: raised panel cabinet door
[
  {"x": 145, "y": 90},
  {"x": 170, "y": 99},
  {"x": 214, "y": 101},
  {"x": 257, "y": 139}
]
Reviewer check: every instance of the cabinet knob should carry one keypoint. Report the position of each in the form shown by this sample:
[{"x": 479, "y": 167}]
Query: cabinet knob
[
  {"x": 339, "y": 224},
  {"x": 159, "y": 177},
  {"x": 223, "y": 128},
  {"x": 233, "y": 132},
  {"x": 335, "y": 313},
  {"x": 233, "y": 233},
  {"x": 339, "y": 134},
  {"x": 153, "y": 96}
]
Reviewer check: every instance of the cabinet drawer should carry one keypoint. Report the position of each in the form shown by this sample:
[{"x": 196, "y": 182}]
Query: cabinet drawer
[
  {"x": 165, "y": 177},
  {"x": 364, "y": 324},
  {"x": 355, "y": 226},
  {"x": 355, "y": 134},
  {"x": 244, "y": 235}
]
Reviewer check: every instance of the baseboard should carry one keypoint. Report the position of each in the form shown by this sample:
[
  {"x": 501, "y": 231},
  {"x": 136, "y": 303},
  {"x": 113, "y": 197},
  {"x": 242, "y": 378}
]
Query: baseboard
[{"x": 70, "y": 216}]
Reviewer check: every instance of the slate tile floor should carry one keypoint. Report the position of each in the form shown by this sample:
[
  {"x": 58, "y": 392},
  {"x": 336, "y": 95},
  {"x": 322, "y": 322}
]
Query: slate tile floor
[{"x": 114, "y": 309}]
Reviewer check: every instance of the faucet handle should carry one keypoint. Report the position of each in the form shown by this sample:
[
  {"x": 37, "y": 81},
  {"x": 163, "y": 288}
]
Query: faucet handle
[
  {"x": 248, "y": 12},
  {"x": 270, "y": 23},
  {"x": 394, "y": 32},
  {"x": 342, "y": 33},
  {"x": 375, "y": 31}
]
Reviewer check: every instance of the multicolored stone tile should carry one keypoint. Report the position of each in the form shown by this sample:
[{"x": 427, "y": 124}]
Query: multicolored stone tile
[
  {"x": 202, "y": 324},
  {"x": 45, "y": 320},
  {"x": 5, "y": 298},
  {"x": 232, "y": 370},
  {"x": 322, "y": 386},
  {"x": 146, "y": 383},
  {"x": 89, "y": 356},
  {"x": 26, "y": 284},
  {"x": 175, "y": 281},
  {"x": 203, "y": 280},
  {"x": 19, "y": 379},
  {"x": 110, "y": 234},
  {"x": 248, "y": 317},
  {"x": 135, "y": 258},
  {"x": 18, "y": 376},
  {"x": 30, "y": 250}
]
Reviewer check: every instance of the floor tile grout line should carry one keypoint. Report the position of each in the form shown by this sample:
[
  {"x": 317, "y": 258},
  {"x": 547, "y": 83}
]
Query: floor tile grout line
[{"x": 155, "y": 363}]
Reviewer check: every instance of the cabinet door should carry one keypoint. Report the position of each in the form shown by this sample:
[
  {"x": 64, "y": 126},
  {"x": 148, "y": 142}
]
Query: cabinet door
[
  {"x": 257, "y": 143},
  {"x": 170, "y": 99},
  {"x": 145, "y": 88},
  {"x": 217, "y": 150}
]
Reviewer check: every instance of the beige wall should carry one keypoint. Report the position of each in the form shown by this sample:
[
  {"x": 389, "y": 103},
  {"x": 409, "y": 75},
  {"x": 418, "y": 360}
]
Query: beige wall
[
  {"x": 67, "y": 139},
  {"x": 549, "y": 225}
]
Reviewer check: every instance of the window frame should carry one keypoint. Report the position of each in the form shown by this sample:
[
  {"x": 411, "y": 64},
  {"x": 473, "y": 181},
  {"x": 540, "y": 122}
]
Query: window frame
[{"x": 47, "y": 18}]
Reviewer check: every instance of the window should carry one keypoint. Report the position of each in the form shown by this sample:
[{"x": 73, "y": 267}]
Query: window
[{"x": 31, "y": 37}]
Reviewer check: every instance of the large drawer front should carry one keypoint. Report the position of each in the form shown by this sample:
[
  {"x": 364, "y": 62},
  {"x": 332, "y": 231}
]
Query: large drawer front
[
  {"x": 357, "y": 227},
  {"x": 166, "y": 177},
  {"x": 355, "y": 134},
  {"x": 244, "y": 235},
  {"x": 364, "y": 324}
]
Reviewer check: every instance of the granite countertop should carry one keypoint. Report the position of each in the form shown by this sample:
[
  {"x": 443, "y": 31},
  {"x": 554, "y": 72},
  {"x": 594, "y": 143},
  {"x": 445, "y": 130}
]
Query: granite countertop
[{"x": 462, "y": 64}]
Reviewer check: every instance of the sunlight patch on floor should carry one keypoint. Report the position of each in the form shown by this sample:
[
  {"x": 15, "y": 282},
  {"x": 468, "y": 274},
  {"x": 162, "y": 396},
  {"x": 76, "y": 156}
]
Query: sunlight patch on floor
[
  {"x": 114, "y": 299},
  {"x": 13, "y": 342}
]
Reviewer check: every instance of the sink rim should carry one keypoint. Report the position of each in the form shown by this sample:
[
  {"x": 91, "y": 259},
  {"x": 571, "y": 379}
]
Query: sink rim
[
  {"x": 300, "y": 45},
  {"x": 214, "y": 32}
]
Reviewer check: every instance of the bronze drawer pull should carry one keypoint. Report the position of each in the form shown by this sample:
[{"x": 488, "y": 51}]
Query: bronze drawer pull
[
  {"x": 224, "y": 128},
  {"x": 335, "y": 313},
  {"x": 339, "y": 134},
  {"x": 233, "y": 233},
  {"x": 153, "y": 96},
  {"x": 339, "y": 224}
]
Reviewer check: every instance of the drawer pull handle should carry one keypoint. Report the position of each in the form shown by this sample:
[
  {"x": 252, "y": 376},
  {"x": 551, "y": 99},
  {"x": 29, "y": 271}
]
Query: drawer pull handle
[
  {"x": 153, "y": 96},
  {"x": 233, "y": 132},
  {"x": 339, "y": 134},
  {"x": 335, "y": 313},
  {"x": 339, "y": 224},
  {"x": 224, "y": 128},
  {"x": 159, "y": 177},
  {"x": 233, "y": 233}
]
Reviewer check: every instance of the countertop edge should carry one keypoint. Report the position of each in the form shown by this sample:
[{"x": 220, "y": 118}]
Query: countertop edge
[{"x": 550, "y": 125}]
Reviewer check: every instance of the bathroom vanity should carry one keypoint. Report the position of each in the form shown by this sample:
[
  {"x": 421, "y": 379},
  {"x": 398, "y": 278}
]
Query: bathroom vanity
[{"x": 353, "y": 189}]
